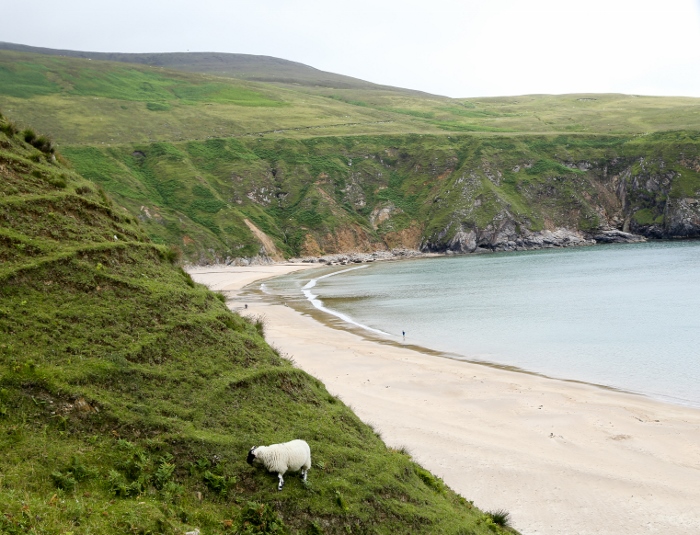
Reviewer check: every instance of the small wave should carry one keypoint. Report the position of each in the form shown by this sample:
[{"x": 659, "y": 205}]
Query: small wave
[
  {"x": 313, "y": 282},
  {"x": 265, "y": 289},
  {"x": 316, "y": 302}
]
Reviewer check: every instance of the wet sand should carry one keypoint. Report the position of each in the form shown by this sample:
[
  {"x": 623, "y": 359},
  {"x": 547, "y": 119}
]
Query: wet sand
[{"x": 561, "y": 457}]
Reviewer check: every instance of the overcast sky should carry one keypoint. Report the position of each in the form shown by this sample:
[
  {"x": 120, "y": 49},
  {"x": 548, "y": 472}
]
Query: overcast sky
[{"x": 459, "y": 48}]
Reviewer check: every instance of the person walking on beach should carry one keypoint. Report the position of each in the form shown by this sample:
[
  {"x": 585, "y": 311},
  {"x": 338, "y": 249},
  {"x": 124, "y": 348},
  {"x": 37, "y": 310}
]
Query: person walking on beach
[{"x": 404, "y": 334}]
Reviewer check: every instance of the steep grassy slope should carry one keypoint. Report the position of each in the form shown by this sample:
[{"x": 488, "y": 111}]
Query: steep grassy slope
[
  {"x": 129, "y": 395},
  {"x": 325, "y": 195}
]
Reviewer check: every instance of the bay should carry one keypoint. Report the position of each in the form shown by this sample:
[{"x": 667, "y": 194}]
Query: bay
[{"x": 621, "y": 316}]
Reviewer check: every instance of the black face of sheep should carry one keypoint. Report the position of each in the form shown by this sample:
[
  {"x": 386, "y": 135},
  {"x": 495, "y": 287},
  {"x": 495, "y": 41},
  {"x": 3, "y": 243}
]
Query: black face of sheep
[{"x": 251, "y": 456}]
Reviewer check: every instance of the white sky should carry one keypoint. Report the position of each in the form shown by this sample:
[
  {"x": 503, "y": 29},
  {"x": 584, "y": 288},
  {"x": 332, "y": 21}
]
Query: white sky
[{"x": 464, "y": 48}]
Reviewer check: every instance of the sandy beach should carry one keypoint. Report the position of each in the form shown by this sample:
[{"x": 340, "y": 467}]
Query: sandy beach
[{"x": 561, "y": 457}]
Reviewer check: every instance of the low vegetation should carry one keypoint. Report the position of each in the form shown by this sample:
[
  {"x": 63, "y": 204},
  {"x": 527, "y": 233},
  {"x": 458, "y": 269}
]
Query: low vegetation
[
  {"x": 333, "y": 194},
  {"x": 129, "y": 395},
  {"x": 98, "y": 102},
  {"x": 326, "y": 164}
]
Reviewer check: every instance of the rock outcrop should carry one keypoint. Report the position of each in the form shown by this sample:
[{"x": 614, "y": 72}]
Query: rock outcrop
[
  {"x": 360, "y": 258},
  {"x": 617, "y": 236},
  {"x": 509, "y": 240}
]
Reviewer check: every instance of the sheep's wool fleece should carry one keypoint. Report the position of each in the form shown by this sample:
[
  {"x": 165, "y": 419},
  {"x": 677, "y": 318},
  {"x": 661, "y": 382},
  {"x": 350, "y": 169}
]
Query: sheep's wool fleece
[{"x": 289, "y": 456}]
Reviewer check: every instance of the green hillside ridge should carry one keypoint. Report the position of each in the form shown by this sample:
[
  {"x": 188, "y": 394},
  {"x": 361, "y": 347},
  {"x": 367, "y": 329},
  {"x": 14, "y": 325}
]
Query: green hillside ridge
[
  {"x": 243, "y": 66},
  {"x": 129, "y": 395},
  {"x": 587, "y": 113},
  {"x": 363, "y": 193},
  {"x": 105, "y": 102},
  {"x": 321, "y": 170},
  {"x": 99, "y": 102}
]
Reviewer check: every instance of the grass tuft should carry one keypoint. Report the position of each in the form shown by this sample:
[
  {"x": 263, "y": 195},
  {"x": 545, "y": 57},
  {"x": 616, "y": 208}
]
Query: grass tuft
[
  {"x": 29, "y": 135},
  {"x": 259, "y": 323},
  {"x": 9, "y": 128},
  {"x": 260, "y": 518},
  {"x": 403, "y": 450},
  {"x": 500, "y": 517}
]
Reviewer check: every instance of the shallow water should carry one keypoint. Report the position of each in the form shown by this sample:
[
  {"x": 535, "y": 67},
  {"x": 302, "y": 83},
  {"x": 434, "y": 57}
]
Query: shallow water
[{"x": 623, "y": 316}]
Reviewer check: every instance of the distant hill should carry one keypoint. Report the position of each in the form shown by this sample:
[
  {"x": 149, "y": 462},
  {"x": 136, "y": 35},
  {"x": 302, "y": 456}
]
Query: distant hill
[{"x": 244, "y": 66}]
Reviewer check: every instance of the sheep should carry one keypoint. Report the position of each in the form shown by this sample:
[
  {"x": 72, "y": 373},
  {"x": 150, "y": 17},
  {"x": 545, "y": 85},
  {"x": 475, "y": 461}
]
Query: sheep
[{"x": 288, "y": 456}]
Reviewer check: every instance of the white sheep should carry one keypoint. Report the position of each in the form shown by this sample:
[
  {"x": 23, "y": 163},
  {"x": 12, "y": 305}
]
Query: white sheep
[{"x": 281, "y": 458}]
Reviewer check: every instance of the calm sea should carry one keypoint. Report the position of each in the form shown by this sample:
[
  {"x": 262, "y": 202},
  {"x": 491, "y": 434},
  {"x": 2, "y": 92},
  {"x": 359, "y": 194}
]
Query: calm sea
[{"x": 624, "y": 316}]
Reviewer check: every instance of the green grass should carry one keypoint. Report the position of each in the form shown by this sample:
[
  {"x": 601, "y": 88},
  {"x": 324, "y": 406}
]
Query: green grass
[
  {"x": 646, "y": 216},
  {"x": 95, "y": 102},
  {"x": 161, "y": 188},
  {"x": 129, "y": 395},
  {"x": 26, "y": 79},
  {"x": 198, "y": 193},
  {"x": 242, "y": 66},
  {"x": 193, "y": 156}
]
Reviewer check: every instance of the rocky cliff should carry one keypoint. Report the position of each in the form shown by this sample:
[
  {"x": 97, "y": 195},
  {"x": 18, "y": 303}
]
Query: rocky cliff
[{"x": 459, "y": 194}]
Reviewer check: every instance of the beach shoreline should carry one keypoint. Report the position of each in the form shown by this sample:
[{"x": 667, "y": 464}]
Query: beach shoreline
[{"x": 560, "y": 456}]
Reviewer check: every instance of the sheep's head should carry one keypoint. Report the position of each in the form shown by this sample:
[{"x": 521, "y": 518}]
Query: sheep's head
[{"x": 251, "y": 455}]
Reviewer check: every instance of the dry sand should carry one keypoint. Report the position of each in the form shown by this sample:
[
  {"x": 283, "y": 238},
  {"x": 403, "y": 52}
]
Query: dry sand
[{"x": 561, "y": 457}]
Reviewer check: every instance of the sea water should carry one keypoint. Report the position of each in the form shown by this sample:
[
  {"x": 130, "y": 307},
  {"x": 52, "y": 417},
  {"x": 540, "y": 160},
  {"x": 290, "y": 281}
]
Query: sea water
[{"x": 622, "y": 316}]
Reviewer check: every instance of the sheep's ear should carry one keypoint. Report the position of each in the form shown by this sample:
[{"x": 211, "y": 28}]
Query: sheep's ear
[{"x": 251, "y": 456}]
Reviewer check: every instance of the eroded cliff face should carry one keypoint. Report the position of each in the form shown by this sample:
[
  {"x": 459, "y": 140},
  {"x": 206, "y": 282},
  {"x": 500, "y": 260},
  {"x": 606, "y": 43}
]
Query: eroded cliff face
[
  {"x": 604, "y": 202},
  {"x": 661, "y": 198},
  {"x": 636, "y": 191},
  {"x": 458, "y": 194}
]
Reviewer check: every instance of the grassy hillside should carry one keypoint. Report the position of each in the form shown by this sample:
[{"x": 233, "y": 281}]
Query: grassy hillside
[
  {"x": 200, "y": 159},
  {"x": 243, "y": 66},
  {"x": 129, "y": 396},
  {"x": 82, "y": 101},
  {"x": 99, "y": 102},
  {"x": 539, "y": 114},
  {"x": 586, "y": 113},
  {"x": 334, "y": 194}
]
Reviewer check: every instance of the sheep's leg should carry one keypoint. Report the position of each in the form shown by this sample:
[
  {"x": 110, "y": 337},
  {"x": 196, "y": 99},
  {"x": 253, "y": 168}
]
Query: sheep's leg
[
  {"x": 281, "y": 484},
  {"x": 304, "y": 472}
]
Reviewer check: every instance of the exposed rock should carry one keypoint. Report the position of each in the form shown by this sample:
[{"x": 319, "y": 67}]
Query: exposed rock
[
  {"x": 408, "y": 238},
  {"x": 463, "y": 242},
  {"x": 617, "y": 236},
  {"x": 310, "y": 247},
  {"x": 482, "y": 200},
  {"x": 683, "y": 218},
  {"x": 259, "y": 260},
  {"x": 348, "y": 238},
  {"x": 267, "y": 245},
  {"x": 561, "y": 237},
  {"x": 360, "y": 258},
  {"x": 506, "y": 238},
  {"x": 146, "y": 213},
  {"x": 381, "y": 214}
]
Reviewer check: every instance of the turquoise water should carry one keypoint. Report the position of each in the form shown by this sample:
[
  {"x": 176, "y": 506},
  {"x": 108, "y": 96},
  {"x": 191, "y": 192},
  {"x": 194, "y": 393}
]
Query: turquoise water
[{"x": 622, "y": 316}]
